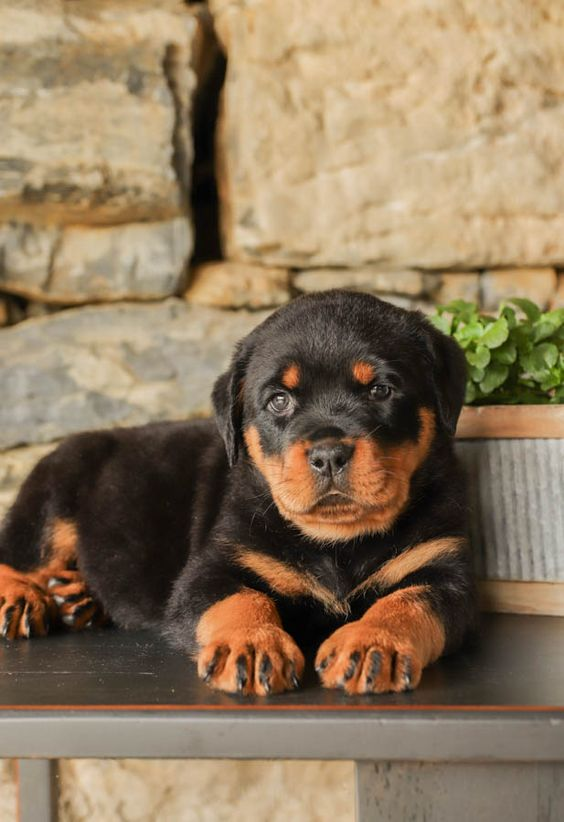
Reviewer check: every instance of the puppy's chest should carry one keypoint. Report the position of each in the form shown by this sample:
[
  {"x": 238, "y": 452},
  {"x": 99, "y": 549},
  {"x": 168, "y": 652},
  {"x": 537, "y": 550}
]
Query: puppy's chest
[{"x": 337, "y": 579}]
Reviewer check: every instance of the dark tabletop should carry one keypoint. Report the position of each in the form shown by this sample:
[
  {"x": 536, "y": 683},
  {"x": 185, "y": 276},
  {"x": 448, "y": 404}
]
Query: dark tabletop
[
  {"x": 516, "y": 667},
  {"x": 516, "y": 661}
]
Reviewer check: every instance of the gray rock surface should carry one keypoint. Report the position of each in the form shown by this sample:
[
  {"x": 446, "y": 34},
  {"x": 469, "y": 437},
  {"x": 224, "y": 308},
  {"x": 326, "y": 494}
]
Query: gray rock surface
[
  {"x": 123, "y": 364},
  {"x": 80, "y": 264}
]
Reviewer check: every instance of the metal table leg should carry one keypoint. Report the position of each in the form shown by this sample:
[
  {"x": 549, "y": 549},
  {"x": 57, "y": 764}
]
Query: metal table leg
[
  {"x": 459, "y": 792},
  {"x": 37, "y": 790}
]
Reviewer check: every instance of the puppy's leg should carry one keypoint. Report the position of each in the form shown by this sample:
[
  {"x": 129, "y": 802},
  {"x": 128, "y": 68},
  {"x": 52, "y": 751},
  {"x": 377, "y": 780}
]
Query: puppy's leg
[
  {"x": 425, "y": 614},
  {"x": 234, "y": 633},
  {"x": 39, "y": 583}
]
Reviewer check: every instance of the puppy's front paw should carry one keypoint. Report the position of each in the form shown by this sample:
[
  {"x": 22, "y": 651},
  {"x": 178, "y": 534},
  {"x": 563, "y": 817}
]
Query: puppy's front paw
[
  {"x": 362, "y": 658},
  {"x": 25, "y": 609},
  {"x": 264, "y": 660},
  {"x": 76, "y": 608}
]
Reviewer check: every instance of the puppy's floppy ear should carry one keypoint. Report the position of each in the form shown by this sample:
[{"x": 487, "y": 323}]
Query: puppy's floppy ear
[
  {"x": 448, "y": 372},
  {"x": 228, "y": 401}
]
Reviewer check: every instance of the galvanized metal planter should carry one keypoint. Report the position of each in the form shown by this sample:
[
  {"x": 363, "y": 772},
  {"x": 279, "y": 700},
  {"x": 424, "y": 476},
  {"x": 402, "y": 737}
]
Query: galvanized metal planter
[{"x": 514, "y": 458}]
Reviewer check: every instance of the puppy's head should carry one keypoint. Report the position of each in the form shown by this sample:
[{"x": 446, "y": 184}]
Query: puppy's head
[{"x": 337, "y": 399}]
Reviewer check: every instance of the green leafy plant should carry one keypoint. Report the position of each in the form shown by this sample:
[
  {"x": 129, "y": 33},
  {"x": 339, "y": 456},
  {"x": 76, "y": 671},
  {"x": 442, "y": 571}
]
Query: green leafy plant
[{"x": 514, "y": 357}]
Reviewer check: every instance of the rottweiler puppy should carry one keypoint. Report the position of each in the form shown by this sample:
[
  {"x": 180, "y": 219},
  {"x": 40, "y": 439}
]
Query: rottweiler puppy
[{"x": 323, "y": 507}]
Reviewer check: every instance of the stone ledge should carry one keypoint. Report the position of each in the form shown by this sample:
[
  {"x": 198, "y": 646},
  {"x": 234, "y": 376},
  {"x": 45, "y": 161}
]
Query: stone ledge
[
  {"x": 79, "y": 264},
  {"x": 123, "y": 364}
]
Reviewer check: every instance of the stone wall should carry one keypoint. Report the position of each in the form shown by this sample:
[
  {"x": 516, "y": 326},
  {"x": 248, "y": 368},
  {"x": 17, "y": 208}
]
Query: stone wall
[
  {"x": 412, "y": 133},
  {"x": 95, "y": 148},
  {"x": 411, "y": 150}
]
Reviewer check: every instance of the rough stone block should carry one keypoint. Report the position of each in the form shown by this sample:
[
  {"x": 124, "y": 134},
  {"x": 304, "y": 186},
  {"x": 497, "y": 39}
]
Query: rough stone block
[
  {"x": 94, "y": 110},
  {"x": 402, "y": 134},
  {"x": 457, "y": 285},
  {"x": 122, "y": 364},
  {"x": 80, "y": 264},
  {"x": 408, "y": 283},
  {"x": 537, "y": 284},
  {"x": 238, "y": 285}
]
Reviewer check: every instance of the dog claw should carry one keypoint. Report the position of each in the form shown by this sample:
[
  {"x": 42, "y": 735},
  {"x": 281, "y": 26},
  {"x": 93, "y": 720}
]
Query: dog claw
[
  {"x": 58, "y": 599},
  {"x": 212, "y": 665},
  {"x": 7, "y": 621},
  {"x": 294, "y": 678},
  {"x": 26, "y": 623},
  {"x": 324, "y": 663},
  {"x": 54, "y": 581},
  {"x": 264, "y": 673},
  {"x": 354, "y": 659},
  {"x": 407, "y": 673},
  {"x": 68, "y": 619},
  {"x": 242, "y": 677},
  {"x": 374, "y": 670}
]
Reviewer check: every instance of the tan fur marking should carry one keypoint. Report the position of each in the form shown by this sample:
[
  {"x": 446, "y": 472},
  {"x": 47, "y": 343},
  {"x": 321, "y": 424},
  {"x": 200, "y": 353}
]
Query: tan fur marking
[
  {"x": 363, "y": 372},
  {"x": 400, "y": 630},
  {"x": 380, "y": 484},
  {"x": 64, "y": 538},
  {"x": 240, "y": 632},
  {"x": 245, "y": 610},
  {"x": 408, "y": 616},
  {"x": 409, "y": 561},
  {"x": 287, "y": 581},
  {"x": 291, "y": 376}
]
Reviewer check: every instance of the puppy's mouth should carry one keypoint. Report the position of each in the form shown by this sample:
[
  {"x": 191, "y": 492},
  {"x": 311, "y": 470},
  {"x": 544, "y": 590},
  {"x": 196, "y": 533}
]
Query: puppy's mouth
[
  {"x": 335, "y": 499},
  {"x": 337, "y": 506}
]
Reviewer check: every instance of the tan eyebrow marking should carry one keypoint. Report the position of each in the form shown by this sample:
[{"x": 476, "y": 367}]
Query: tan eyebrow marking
[
  {"x": 363, "y": 372},
  {"x": 397, "y": 568},
  {"x": 291, "y": 376}
]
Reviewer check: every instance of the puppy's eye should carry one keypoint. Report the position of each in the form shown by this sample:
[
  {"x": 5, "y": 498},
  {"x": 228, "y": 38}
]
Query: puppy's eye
[
  {"x": 379, "y": 391},
  {"x": 281, "y": 403}
]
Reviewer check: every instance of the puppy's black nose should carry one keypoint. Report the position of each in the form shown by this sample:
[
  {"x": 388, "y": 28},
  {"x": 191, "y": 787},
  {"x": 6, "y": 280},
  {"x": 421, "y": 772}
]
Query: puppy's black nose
[{"x": 330, "y": 457}]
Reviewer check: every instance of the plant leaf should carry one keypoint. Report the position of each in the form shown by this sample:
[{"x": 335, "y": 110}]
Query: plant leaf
[
  {"x": 476, "y": 374},
  {"x": 509, "y": 315},
  {"x": 471, "y": 393},
  {"x": 544, "y": 328},
  {"x": 442, "y": 322},
  {"x": 464, "y": 310},
  {"x": 468, "y": 332},
  {"x": 496, "y": 334},
  {"x": 495, "y": 376},
  {"x": 480, "y": 357},
  {"x": 506, "y": 354},
  {"x": 528, "y": 308},
  {"x": 539, "y": 360}
]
